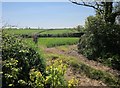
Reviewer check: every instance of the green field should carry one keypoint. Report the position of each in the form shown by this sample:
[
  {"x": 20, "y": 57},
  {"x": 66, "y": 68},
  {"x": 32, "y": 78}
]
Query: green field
[
  {"x": 52, "y": 42},
  {"x": 60, "y": 31},
  {"x": 41, "y": 31},
  {"x": 22, "y": 31},
  {"x": 47, "y": 42}
]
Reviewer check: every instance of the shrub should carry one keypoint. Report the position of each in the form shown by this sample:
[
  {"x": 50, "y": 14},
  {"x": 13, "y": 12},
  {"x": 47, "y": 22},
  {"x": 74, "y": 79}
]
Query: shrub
[
  {"x": 18, "y": 59},
  {"x": 24, "y": 67},
  {"x": 99, "y": 40},
  {"x": 54, "y": 77}
]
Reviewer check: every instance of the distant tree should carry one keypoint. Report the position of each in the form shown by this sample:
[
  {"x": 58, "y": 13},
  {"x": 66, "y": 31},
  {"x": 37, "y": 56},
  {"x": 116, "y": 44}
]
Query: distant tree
[
  {"x": 105, "y": 9},
  {"x": 79, "y": 28}
]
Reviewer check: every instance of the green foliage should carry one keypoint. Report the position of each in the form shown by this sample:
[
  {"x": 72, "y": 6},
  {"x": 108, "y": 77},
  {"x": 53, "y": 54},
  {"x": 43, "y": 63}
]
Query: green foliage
[
  {"x": 105, "y": 77},
  {"x": 80, "y": 28},
  {"x": 37, "y": 79},
  {"x": 112, "y": 60},
  {"x": 89, "y": 42},
  {"x": 12, "y": 71},
  {"x": 18, "y": 59},
  {"x": 54, "y": 77},
  {"x": 24, "y": 67},
  {"x": 101, "y": 41},
  {"x": 90, "y": 72},
  {"x": 55, "y": 74}
]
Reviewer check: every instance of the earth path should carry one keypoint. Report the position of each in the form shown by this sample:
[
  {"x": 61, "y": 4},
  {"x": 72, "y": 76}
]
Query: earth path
[{"x": 83, "y": 80}]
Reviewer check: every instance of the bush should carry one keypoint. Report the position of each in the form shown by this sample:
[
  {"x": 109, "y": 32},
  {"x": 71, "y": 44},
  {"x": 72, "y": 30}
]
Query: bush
[
  {"x": 18, "y": 59},
  {"x": 54, "y": 35},
  {"x": 54, "y": 77},
  {"x": 100, "y": 39}
]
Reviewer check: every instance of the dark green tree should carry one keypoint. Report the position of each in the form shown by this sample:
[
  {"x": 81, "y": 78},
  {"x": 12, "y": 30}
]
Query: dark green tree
[{"x": 101, "y": 40}]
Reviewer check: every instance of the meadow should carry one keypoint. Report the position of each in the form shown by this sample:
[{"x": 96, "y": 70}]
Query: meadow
[
  {"x": 60, "y": 31},
  {"x": 52, "y": 42},
  {"x": 40, "y": 31},
  {"x": 47, "y": 42},
  {"x": 22, "y": 31}
]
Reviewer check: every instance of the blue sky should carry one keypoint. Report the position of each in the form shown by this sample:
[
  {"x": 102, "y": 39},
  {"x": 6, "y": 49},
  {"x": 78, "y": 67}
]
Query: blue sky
[
  {"x": 0, "y": 14},
  {"x": 45, "y": 14}
]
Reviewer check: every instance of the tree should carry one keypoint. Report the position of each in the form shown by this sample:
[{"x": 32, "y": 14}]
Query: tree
[
  {"x": 105, "y": 9},
  {"x": 80, "y": 28}
]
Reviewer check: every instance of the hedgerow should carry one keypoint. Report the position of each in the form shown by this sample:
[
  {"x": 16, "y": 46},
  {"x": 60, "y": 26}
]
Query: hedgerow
[
  {"x": 18, "y": 59},
  {"x": 101, "y": 42}
]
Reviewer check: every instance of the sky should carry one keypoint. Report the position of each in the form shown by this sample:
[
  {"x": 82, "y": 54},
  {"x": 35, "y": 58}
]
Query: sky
[
  {"x": 0, "y": 8},
  {"x": 45, "y": 14}
]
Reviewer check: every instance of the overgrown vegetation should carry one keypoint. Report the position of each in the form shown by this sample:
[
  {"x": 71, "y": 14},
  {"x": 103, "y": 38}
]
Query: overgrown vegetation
[
  {"x": 101, "y": 42},
  {"x": 18, "y": 59},
  {"x": 105, "y": 77},
  {"x": 54, "y": 76},
  {"x": 90, "y": 72},
  {"x": 24, "y": 67}
]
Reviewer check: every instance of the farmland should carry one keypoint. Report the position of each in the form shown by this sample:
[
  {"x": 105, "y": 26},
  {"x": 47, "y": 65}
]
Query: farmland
[
  {"x": 22, "y": 31},
  {"x": 41, "y": 31},
  {"x": 47, "y": 42},
  {"x": 60, "y": 44},
  {"x": 60, "y": 31},
  {"x": 52, "y": 42}
]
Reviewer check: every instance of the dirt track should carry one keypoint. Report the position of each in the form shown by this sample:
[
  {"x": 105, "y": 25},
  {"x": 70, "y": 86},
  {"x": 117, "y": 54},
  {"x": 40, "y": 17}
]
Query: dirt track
[{"x": 83, "y": 80}]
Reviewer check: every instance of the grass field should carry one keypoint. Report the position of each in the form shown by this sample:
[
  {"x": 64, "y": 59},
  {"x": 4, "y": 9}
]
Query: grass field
[
  {"x": 60, "y": 31},
  {"x": 42, "y": 31},
  {"x": 22, "y": 31},
  {"x": 47, "y": 42},
  {"x": 52, "y": 42}
]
